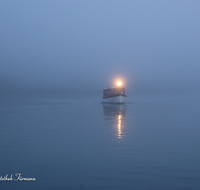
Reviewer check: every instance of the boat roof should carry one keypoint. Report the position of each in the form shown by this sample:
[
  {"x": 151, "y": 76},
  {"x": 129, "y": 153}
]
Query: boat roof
[{"x": 112, "y": 87}]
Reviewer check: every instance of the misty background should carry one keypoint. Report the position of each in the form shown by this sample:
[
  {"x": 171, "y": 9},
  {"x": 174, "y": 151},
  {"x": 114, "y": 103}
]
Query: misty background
[{"x": 81, "y": 47}]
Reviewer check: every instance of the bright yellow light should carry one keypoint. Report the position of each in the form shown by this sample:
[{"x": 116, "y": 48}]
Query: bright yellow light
[{"x": 119, "y": 83}]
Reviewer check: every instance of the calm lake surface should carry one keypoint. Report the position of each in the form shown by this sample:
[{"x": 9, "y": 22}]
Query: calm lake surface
[{"x": 147, "y": 143}]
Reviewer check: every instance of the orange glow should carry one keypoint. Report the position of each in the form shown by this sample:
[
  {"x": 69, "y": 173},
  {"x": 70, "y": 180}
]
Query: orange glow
[{"x": 119, "y": 83}]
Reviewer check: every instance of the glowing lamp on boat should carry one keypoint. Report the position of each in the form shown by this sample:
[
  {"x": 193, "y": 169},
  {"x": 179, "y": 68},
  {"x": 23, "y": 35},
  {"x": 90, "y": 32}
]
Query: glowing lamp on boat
[{"x": 119, "y": 83}]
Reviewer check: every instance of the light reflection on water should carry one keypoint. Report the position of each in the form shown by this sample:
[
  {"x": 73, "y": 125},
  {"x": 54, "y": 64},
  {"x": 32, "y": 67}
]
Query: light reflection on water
[
  {"x": 119, "y": 126},
  {"x": 114, "y": 114}
]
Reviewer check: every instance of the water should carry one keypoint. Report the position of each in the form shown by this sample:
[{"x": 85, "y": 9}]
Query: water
[{"x": 84, "y": 144}]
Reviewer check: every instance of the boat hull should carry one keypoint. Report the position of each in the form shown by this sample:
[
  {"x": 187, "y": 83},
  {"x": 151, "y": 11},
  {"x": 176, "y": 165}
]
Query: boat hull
[{"x": 115, "y": 99}]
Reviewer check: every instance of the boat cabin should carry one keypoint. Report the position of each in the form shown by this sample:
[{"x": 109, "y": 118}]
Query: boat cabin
[{"x": 113, "y": 91}]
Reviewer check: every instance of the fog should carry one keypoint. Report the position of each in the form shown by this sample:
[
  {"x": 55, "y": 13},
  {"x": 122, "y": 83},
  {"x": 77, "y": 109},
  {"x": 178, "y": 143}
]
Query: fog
[{"x": 84, "y": 46}]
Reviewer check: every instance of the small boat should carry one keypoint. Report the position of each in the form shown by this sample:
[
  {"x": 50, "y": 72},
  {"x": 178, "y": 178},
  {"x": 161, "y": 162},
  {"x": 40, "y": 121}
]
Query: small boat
[{"x": 114, "y": 94}]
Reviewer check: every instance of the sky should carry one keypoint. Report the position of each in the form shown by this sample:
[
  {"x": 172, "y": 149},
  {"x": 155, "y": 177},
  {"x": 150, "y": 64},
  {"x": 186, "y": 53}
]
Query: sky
[{"x": 84, "y": 46}]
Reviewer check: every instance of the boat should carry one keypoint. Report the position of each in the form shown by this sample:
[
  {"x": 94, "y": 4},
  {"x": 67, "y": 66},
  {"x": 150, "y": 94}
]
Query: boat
[{"x": 114, "y": 94}]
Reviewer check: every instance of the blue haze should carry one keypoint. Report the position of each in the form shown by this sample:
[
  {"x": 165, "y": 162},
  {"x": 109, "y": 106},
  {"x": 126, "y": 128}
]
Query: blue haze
[
  {"x": 81, "y": 46},
  {"x": 55, "y": 59}
]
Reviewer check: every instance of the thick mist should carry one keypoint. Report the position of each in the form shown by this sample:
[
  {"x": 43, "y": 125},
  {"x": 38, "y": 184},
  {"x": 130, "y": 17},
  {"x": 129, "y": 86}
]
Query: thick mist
[{"x": 75, "y": 47}]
